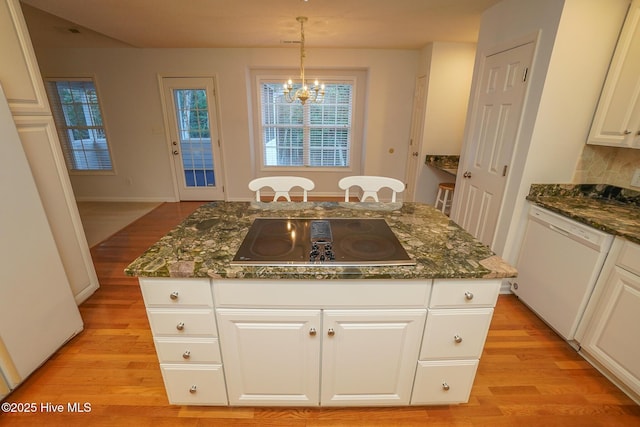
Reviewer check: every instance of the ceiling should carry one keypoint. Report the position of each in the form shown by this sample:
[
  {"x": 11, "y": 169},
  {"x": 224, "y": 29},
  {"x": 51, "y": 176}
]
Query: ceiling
[{"x": 388, "y": 24}]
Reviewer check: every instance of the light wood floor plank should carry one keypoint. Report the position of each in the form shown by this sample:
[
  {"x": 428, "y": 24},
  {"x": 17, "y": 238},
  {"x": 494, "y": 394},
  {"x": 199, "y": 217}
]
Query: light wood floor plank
[{"x": 527, "y": 376}]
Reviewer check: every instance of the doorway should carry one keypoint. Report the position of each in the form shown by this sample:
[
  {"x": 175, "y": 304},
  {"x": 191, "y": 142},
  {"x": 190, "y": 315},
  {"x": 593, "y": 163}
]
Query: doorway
[
  {"x": 190, "y": 111},
  {"x": 415, "y": 139}
]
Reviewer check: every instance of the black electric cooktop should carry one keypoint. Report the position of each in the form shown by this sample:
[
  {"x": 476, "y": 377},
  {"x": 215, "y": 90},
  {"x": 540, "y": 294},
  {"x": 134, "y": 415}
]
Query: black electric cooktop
[{"x": 322, "y": 242}]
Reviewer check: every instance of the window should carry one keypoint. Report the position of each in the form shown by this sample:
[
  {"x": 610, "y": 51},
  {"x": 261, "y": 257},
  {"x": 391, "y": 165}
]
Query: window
[
  {"x": 76, "y": 111},
  {"x": 315, "y": 135}
]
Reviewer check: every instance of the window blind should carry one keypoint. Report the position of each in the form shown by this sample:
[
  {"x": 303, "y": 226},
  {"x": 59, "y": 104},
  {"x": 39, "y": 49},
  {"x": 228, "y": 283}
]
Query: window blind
[
  {"x": 76, "y": 112},
  {"x": 316, "y": 135}
]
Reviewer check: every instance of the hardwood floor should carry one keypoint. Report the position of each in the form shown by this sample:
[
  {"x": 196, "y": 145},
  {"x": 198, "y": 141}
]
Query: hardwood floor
[{"x": 527, "y": 375}]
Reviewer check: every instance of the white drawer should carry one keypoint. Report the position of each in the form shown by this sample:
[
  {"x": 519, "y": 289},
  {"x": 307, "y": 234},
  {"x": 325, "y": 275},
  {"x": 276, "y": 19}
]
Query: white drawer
[
  {"x": 191, "y": 350},
  {"x": 172, "y": 322},
  {"x": 443, "y": 382},
  {"x": 321, "y": 293},
  {"x": 629, "y": 257},
  {"x": 194, "y": 384},
  {"x": 176, "y": 292},
  {"x": 455, "y": 333},
  {"x": 464, "y": 293}
]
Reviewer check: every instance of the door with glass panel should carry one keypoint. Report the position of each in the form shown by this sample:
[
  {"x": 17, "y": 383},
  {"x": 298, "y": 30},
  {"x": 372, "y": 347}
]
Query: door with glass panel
[{"x": 195, "y": 146}]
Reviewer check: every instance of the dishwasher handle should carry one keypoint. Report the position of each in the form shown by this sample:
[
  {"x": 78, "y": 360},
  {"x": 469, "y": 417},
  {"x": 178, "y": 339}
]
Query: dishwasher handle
[{"x": 559, "y": 230}]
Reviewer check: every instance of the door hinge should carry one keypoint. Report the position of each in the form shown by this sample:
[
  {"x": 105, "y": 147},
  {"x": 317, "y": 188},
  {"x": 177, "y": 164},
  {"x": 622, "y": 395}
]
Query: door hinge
[
  {"x": 504, "y": 170},
  {"x": 525, "y": 74},
  {"x": 218, "y": 143},
  {"x": 223, "y": 188}
]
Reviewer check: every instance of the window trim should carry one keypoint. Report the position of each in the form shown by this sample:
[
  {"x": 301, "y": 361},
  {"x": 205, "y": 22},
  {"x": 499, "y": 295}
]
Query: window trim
[
  {"x": 357, "y": 77},
  {"x": 80, "y": 172}
]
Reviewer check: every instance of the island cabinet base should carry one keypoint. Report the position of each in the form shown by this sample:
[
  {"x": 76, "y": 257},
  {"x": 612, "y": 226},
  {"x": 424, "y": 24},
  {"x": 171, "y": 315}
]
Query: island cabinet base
[{"x": 319, "y": 342}]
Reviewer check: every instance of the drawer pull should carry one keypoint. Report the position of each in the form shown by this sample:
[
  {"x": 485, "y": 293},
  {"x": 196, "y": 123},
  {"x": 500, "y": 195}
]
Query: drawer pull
[
  {"x": 193, "y": 389},
  {"x": 468, "y": 295},
  {"x": 174, "y": 295},
  {"x": 313, "y": 332},
  {"x": 186, "y": 354},
  {"x": 331, "y": 332},
  {"x": 457, "y": 339},
  {"x": 445, "y": 386},
  {"x": 180, "y": 326}
]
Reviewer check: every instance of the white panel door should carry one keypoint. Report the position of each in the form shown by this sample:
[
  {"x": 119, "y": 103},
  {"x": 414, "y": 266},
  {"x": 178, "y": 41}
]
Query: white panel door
[
  {"x": 496, "y": 121},
  {"x": 369, "y": 356},
  {"x": 37, "y": 311},
  {"x": 271, "y": 357},
  {"x": 415, "y": 139},
  {"x": 42, "y": 147},
  {"x": 195, "y": 145}
]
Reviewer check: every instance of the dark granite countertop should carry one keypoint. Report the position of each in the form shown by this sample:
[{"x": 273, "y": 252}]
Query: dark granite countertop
[
  {"x": 445, "y": 163},
  {"x": 204, "y": 244},
  {"x": 613, "y": 210}
]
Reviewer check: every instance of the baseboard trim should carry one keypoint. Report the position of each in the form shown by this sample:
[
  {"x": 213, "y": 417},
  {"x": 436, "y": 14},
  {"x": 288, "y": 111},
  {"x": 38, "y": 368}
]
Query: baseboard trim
[
  {"x": 86, "y": 293},
  {"x": 127, "y": 199}
]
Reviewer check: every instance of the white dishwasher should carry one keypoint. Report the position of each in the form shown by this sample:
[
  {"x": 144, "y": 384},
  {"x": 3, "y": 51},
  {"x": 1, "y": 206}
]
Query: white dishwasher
[{"x": 558, "y": 266}]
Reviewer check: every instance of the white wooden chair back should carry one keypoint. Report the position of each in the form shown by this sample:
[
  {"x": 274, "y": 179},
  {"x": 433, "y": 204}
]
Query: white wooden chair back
[
  {"x": 370, "y": 186},
  {"x": 281, "y": 185}
]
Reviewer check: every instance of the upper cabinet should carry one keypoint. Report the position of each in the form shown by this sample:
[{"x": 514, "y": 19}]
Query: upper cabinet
[
  {"x": 25, "y": 92},
  {"x": 617, "y": 118}
]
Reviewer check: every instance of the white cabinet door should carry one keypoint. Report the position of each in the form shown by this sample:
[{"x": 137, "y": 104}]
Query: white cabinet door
[
  {"x": 617, "y": 118},
  {"x": 369, "y": 356},
  {"x": 271, "y": 357},
  {"x": 610, "y": 337}
]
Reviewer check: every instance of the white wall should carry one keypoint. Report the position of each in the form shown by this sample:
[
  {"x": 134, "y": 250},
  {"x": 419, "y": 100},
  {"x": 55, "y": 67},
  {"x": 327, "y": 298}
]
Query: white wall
[
  {"x": 575, "y": 41},
  {"x": 127, "y": 81},
  {"x": 449, "y": 69}
]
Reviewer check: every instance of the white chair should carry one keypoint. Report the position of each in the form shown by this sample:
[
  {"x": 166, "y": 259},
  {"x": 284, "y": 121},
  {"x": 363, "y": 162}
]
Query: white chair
[
  {"x": 370, "y": 186},
  {"x": 281, "y": 185}
]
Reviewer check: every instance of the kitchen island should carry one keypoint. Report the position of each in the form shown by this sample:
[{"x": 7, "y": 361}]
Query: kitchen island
[{"x": 318, "y": 335}]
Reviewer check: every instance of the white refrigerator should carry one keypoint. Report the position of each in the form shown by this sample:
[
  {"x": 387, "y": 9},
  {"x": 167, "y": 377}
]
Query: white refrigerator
[{"x": 38, "y": 313}]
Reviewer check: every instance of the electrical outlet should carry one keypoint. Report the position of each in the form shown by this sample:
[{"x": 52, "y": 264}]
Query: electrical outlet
[{"x": 635, "y": 181}]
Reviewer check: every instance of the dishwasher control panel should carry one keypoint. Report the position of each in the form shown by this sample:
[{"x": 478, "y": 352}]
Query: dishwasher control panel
[{"x": 570, "y": 227}]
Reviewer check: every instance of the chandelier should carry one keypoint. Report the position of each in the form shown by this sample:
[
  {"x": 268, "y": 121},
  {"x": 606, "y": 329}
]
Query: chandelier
[{"x": 304, "y": 93}]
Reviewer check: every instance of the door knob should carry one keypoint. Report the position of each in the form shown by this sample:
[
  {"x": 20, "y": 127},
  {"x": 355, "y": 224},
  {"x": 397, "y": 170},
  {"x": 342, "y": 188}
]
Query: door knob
[
  {"x": 414, "y": 154},
  {"x": 467, "y": 174}
]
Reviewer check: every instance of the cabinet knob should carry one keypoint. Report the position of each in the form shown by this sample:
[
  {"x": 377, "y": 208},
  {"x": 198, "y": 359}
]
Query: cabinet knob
[
  {"x": 186, "y": 354},
  {"x": 331, "y": 332},
  {"x": 468, "y": 295},
  {"x": 180, "y": 326},
  {"x": 193, "y": 389},
  {"x": 457, "y": 339},
  {"x": 174, "y": 295},
  {"x": 626, "y": 132},
  {"x": 313, "y": 332},
  {"x": 445, "y": 386}
]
